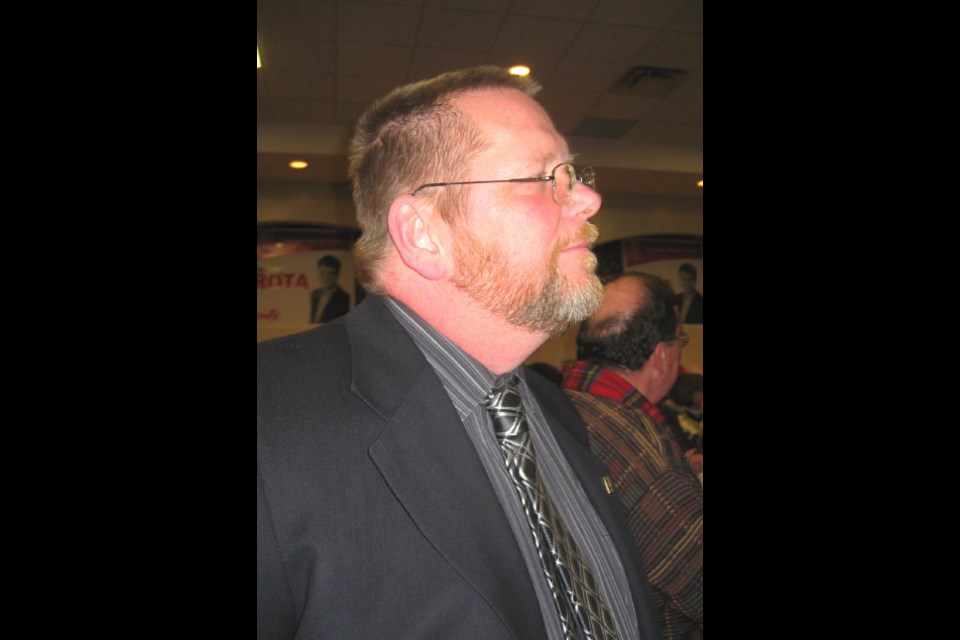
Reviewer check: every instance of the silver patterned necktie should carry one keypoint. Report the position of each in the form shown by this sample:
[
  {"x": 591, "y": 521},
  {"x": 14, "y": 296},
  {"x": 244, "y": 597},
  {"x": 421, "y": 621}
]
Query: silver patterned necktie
[{"x": 580, "y": 605}]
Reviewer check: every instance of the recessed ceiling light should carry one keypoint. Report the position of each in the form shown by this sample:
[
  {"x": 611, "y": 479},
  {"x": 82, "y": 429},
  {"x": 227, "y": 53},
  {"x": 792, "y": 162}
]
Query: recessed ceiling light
[
  {"x": 298, "y": 164},
  {"x": 519, "y": 70},
  {"x": 700, "y": 183}
]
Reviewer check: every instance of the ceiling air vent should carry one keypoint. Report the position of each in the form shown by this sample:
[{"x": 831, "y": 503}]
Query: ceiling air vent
[
  {"x": 643, "y": 80},
  {"x": 612, "y": 128}
]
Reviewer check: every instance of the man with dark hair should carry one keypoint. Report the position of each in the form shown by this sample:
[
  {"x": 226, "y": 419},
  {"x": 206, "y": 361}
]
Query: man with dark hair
[
  {"x": 689, "y": 301},
  {"x": 628, "y": 355},
  {"x": 414, "y": 480},
  {"x": 328, "y": 301}
]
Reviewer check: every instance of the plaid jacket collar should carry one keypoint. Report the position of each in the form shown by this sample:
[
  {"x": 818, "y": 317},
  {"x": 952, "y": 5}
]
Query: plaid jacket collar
[{"x": 604, "y": 383}]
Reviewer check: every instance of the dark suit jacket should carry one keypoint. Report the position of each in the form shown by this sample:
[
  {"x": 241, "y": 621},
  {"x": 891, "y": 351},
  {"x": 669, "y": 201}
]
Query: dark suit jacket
[
  {"x": 375, "y": 518},
  {"x": 695, "y": 312},
  {"x": 338, "y": 306}
]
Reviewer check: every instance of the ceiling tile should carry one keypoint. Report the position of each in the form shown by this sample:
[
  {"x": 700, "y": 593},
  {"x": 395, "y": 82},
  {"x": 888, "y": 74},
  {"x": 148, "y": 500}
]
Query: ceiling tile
[
  {"x": 382, "y": 60},
  {"x": 649, "y": 13},
  {"x": 379, "y": 23},
  {"x": 430, "y": 62},
  {"x": 678, "y": 111},
  {"x": 690, "y": 137},
  {"x": 446, "y": 29},
  {"x": 326, "y": 61},
  {"x": 610, "y": 43},
  {"x": 608, "y": 128},
  {"x": 565, "y": 9},
  {"x": 690, "y": 87},
  {"x": 363, "y": 88},
  {"x": 415, "y": 3},
  {"x": 301, "y": 110},
  {"x": 688, "y": 18},
  {"x": 620, "y": 106},
  {"x": 641, "y": 133},
  {"x": 296, "y": 54},
  {"x": 586, "y": 75},
  {"x": 350, "y": 112},
  {"x": 301, "y": 86},
  {"x": 649, "y": 81},
  {"x": 296, "y": 19},
  {"x": 656, "y": 132},
  {"x": 674, "y": 51},
  {"x": 492, "y": 6},
  {"x": 264, "y": 109},
  {"x": 262, "y": 91},
  {"x": 525, "y": 34},
  {"x": 567, "y": 101},
  {"x": 541, "y": 66},
  {"x": 564, "y": 124}
]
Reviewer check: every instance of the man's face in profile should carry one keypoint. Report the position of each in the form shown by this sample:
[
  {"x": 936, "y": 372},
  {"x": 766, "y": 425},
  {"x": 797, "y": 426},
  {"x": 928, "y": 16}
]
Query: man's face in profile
[
  {"x": 688, "y": 282},
  {"x": 327, "y": 276}
]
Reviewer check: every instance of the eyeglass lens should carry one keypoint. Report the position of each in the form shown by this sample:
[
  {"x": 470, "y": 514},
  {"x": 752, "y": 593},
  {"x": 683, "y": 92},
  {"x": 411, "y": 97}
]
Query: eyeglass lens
[{"x": 565, "y": 179}]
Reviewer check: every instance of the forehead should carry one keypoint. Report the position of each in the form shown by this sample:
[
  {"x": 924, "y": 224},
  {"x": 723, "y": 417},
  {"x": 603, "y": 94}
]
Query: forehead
[{"x": 513, "y": 122}]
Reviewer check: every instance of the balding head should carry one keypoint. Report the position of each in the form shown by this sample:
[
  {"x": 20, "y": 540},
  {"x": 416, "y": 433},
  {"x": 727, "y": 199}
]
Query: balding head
[
  {"x": 621, "y": 298},
  {"x": 637, "y": 313}
]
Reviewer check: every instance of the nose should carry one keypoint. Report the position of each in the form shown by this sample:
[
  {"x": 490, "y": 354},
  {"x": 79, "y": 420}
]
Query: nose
[{"x": 584, "y": 202}]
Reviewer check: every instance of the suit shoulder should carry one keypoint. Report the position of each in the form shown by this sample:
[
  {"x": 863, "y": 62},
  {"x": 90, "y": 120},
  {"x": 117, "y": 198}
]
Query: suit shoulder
[
  {"x": 313, "y": 351},
  {"x": 303, "y": 388},
  {"x": 311, "y": 338}
]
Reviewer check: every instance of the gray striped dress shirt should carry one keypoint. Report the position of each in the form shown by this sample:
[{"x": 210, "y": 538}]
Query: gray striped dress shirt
[{"x": 467, "y": 382}]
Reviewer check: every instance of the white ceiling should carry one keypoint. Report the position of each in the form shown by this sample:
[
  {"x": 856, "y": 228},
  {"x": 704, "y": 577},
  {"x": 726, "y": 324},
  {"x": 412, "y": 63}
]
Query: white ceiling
[{"x": 324, "y": 61}]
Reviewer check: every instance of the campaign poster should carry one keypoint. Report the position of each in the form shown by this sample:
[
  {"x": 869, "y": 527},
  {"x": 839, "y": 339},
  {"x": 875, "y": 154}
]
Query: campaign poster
[{"x": 305, "y": 277}]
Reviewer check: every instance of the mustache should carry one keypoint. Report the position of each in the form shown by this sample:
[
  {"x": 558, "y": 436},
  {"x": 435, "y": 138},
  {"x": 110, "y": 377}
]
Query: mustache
[{"x": 587, "y": 233}]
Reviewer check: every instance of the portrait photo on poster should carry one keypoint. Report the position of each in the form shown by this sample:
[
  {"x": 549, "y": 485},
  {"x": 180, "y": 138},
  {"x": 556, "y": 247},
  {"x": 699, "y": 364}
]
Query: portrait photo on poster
[{"x": 305, "y": 277}]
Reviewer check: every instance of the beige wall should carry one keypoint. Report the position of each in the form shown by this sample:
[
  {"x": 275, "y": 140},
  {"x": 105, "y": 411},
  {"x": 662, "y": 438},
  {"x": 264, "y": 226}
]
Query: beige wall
[
  {"x": 305, "y": 203},
  {"x": 619, "y": 217},
  {"x": 624, "y": 217}
]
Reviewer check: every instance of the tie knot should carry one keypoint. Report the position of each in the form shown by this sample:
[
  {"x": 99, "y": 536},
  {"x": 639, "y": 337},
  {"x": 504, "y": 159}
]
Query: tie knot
[
  {"x": 506, "y": 394},
  {"x": 506, "y": 407}
]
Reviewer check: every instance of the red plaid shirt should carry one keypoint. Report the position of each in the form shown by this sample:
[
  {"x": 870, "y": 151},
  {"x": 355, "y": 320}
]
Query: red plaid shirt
[{"x": 604, "y": 383}]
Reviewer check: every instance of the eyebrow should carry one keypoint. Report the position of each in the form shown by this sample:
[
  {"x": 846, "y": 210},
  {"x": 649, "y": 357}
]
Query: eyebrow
[{"x": 547, "y": 160}]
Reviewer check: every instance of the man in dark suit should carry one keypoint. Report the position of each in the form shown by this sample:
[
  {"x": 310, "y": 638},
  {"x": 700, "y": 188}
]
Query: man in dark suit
[
  {"x": 328, "y": 301},
  {"x": 392, "y": 451},
  {"x": 689, "y": 301}
]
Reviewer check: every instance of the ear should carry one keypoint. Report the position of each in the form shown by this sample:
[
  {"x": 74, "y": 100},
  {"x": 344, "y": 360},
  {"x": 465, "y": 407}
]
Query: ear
[
  {"x": 415, "y": 230},
  {"x": 660, "y": 357}
]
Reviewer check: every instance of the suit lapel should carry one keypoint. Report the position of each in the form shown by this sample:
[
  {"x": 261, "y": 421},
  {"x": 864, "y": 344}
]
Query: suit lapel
[
  {"x": 590, "y": 471},
  {"x": 431, "y": 466}
]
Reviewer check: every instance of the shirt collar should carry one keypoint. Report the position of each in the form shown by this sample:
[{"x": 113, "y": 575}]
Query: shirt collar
[{"x": 467, "y": 381}]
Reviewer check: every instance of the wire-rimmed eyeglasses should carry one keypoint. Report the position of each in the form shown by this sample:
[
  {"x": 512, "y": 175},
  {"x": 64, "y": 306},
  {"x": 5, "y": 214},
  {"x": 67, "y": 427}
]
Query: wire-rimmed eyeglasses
[{"x": 568, "y": 177}]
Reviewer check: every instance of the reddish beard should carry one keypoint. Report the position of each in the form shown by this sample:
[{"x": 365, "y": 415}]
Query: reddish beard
[{"x": 543, "y": 300}]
